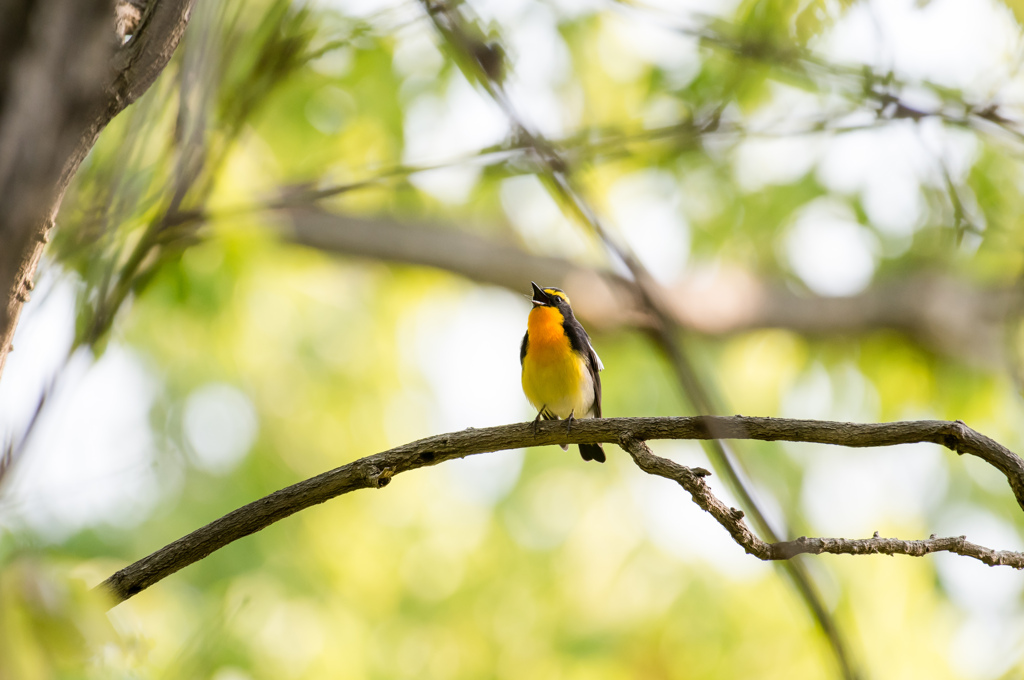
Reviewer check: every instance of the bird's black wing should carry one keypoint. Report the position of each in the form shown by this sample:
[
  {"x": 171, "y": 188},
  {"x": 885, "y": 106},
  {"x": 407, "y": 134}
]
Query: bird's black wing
[
  {"x": 522, "y": 347},
  {"x": 594, "y": 451}
]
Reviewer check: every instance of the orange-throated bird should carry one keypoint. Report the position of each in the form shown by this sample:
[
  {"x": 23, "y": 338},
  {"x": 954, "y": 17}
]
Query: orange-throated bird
[{"x": 560, "y": 366}]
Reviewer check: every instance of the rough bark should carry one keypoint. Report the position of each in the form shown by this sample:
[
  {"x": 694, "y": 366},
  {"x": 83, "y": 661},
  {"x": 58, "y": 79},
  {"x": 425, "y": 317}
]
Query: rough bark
[{"x": 63, "y": 78}]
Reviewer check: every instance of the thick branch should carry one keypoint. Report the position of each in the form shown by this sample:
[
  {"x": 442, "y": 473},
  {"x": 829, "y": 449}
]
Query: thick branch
[
  {"x": 74, "y": 85},
  {"x": 377, "y": 470},
  {"x": 949, "y": 316},
  {"x": 53, "y": 62}
]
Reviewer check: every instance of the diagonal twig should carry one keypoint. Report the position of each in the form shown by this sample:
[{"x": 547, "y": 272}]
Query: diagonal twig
[{"x": 483, "y": 62}]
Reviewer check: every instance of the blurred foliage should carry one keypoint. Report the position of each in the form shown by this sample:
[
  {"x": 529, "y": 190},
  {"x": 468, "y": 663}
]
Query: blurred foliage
[{"x": 734, "y": 124}]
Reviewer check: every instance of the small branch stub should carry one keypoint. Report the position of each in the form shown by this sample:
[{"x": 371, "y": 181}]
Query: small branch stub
[{"x": 381, "y": 478}]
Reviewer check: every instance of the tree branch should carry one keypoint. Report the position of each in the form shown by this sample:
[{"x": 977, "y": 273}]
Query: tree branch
[
  {"x": 949, "y": 316},
  {"x": 692, "y": 479},
  {"x": 53, "y": 63},
  {"x": 73, "y": 82},
  {"x": 377, "y": 470}
]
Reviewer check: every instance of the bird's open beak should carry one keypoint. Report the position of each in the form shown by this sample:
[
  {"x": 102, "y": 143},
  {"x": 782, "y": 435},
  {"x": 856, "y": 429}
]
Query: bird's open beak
[{"x": 540, "y": 298}]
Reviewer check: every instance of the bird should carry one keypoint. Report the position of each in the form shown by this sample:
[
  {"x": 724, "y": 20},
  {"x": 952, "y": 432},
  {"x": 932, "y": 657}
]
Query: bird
[{"x": 560, "y": 366}]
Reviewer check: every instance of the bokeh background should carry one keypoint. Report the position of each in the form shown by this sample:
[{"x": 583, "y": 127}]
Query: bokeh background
[{"x": 827, "y": 192}]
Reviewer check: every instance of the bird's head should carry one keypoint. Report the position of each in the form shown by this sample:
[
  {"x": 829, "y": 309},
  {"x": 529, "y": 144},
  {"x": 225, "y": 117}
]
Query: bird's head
[{"x": 549, "y": 297}]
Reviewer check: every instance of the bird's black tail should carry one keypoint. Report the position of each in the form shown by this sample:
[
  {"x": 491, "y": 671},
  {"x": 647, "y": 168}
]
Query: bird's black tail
[{"x": 592, "y": 452}]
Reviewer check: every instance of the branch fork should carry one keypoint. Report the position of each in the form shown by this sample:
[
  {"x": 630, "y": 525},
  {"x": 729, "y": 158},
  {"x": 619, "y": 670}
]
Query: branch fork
[
  {"x": 732, "y": 520},
  {"x": 631, "y": 434}
]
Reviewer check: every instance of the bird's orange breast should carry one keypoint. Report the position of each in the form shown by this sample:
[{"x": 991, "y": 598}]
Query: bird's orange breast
[
  {"x": 552, "y": 372},
  {"x": 548, "y": 341}
]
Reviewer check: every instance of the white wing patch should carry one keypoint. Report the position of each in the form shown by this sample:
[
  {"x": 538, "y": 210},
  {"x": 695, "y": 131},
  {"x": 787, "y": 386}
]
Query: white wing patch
[{"x": 600, "y": 366}]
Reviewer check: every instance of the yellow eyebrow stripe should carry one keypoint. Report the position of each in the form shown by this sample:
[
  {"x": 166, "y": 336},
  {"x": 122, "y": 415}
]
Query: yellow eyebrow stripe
[{"x": 558, "y": 293}]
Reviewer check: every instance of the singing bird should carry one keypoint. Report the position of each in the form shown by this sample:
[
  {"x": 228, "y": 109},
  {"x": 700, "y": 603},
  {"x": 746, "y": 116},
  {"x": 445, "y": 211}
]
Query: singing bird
[{"x": 560, "y": 366}]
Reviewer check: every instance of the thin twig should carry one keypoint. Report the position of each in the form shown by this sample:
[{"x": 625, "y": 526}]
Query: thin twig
[{"x": 692, "y": 479}]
